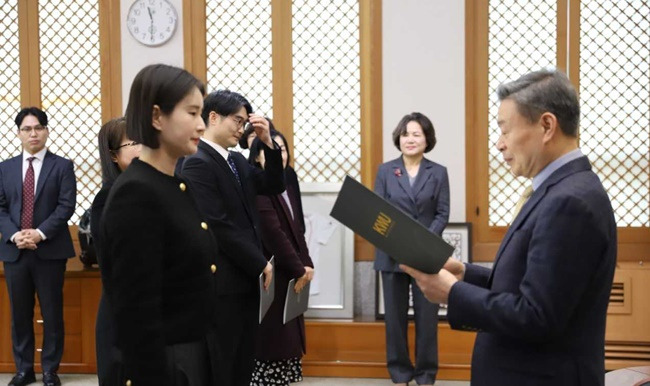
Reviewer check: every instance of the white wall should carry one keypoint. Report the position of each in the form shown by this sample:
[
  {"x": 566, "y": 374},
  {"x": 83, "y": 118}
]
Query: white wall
[
  {"x": 424, "y": 70},
  {"x": 136, "y": 55}
]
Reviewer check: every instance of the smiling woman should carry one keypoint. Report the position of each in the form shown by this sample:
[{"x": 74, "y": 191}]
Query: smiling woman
[{"x": 405, "y": 181}]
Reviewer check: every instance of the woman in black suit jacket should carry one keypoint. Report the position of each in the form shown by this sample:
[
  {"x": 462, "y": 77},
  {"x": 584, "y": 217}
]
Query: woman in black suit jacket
[
  {"x": 157, "y": 253},
  {"x": 420, "y": 188},
  {"x": 116, "y": 151},
  {"x": 281, "y": 346}
]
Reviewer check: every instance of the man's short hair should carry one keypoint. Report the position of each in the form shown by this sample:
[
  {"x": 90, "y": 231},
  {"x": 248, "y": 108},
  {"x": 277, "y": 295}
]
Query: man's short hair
[
  {"x": 427, "y": 129},
  {"x": 156, "y": 84},
  {"x": 545, "y": 91},
  {"x": 35, "y": 111},
  {"x": 224, "y": 103}
]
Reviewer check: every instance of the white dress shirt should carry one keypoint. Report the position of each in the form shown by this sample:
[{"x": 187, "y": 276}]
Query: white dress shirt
[{"x": 37, "y": 165}]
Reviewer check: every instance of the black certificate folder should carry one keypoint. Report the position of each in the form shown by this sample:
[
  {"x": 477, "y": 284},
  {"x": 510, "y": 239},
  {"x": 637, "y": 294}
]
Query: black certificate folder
[{"x": 389, "y": 229}]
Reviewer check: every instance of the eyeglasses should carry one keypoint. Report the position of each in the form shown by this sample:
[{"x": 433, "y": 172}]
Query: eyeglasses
[
  {"x": 238, "y": 120},
  {"x": 28, "y": 129},
  {"x": 132, "y": 143}
]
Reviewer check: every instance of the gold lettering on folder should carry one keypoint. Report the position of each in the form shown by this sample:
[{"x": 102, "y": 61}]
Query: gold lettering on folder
[{"x": 383, "y": 224}]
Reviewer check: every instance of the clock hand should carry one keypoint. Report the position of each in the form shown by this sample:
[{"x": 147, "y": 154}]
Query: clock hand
[{"x": 150, "y": 18}]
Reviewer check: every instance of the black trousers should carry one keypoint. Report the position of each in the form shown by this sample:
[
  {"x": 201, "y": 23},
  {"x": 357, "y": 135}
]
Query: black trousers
[
  {"x": 26, "y": 277},
  {"x": 396, "y": 303},
  {"x": 236, "y": 325}
]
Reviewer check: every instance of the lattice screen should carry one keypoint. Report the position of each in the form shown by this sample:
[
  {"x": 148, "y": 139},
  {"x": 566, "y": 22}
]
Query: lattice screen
[
  {"x": 615, "y": 102},
  {"x": 9, "y": 79},
  {"x": 326, "y": 88},
  {"x": 239, "y": 50},
  {"x": 522, "y": 38},
  {"x": 70, "y": 88}
]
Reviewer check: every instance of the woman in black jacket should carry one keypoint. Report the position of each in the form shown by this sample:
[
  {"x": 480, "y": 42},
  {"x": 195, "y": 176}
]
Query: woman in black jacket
[
  {"x": 116, "y": 151},
  {"x": 157, "y": 252}
]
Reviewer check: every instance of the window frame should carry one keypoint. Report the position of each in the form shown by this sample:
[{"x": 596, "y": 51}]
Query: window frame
[
  {"x": 194, "y": 40},
  {"x": 633, "y": 243}
]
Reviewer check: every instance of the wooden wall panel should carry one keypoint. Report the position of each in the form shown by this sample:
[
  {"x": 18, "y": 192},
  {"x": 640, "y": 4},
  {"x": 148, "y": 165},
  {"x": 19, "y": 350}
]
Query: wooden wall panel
[{"x": 358, "y": 350}]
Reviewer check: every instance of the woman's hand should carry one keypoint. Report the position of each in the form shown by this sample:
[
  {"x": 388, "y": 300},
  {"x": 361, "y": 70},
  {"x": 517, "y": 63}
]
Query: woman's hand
[
  {"x": 302, "y": 281},
  {"x": 309, "y": 273}
]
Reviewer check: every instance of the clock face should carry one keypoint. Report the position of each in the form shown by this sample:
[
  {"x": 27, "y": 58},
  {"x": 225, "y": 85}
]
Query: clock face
[{"x": 152, "y": 22}]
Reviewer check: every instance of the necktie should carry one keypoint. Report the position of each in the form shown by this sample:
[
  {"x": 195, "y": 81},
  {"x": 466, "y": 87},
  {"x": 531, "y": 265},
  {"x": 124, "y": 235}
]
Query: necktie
[
  {"x": 522, "y": 200},
  {"x": 27, "y": 215},
  {"x": 231, "y": 162}
]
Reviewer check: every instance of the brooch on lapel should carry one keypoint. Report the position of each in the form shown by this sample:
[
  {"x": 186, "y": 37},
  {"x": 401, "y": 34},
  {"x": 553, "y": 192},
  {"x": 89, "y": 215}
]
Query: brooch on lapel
[{"x": 398, "y": 172}]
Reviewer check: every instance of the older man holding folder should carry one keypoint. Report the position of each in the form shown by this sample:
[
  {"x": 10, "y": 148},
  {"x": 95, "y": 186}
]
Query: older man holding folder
[{"x": 541, "y": 310}]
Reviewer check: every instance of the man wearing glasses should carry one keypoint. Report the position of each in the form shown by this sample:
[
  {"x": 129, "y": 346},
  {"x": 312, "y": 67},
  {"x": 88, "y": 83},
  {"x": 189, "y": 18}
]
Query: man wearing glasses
[
  {"x": 225, "y": 186},
  {"x": 37, "y": 198}
]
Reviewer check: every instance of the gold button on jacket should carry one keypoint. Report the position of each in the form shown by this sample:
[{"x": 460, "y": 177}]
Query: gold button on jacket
[
  {"x": 213, "y": 268},
  {"x": 204, "y": 225},
  {"x": 182, "y": 186}
]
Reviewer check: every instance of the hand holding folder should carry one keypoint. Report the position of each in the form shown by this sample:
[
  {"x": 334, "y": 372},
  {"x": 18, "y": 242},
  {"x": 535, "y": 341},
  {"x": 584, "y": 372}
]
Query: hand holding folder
[
  {"x": 389, "y": 229},
  {"x": 296, "y": 303},
  {"x": 267, "y": 295}
]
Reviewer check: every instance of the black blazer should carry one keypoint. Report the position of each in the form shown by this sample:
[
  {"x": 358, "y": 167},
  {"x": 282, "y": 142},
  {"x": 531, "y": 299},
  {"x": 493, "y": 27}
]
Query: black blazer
[
  {"x": 156, "y": 263},
  {"x": 229, "y": 209},
  {"x": 541, "y": 310},
  {"x": 54, "y": 203}
]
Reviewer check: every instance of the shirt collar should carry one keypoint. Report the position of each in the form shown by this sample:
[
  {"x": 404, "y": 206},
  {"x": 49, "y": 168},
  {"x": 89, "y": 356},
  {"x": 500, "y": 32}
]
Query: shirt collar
[
  {"x": 39, "y": 156},
  {"x": 217, "y": 147},
  {"x": 539, "y": 179}
]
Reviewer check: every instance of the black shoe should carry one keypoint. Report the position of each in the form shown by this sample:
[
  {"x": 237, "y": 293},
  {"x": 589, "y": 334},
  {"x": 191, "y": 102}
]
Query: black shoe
[
  {"x": 51, "y": 379},
  {"x": 22, "y": 378}
]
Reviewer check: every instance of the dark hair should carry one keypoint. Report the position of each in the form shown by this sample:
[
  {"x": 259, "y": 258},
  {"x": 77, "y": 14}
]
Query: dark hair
[
  {"x": 108, "y": 142},
  {"x": 545, "y": 91},
  {"x": 427, "y": 129},
  {"x": 243, "y": 141},
  {"x": 257, "y": 146},
  {"x": 156, "y": 84},
  {"x": 35, "y": 111},
  {"x": 224, "y": 102}
]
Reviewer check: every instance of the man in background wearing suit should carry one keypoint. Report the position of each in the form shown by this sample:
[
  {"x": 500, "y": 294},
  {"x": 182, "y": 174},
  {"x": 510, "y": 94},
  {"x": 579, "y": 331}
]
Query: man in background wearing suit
[
  {"x": 541, "y": 310},
  {"x": 225, "y": 186},
  {"x": 37, "y": 198}
]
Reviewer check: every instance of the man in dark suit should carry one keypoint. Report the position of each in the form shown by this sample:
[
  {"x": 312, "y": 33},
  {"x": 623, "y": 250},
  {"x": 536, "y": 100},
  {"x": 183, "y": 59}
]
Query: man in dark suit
[
  {"x": 225, "y": 186},
  {"x": 37, "y": 198},
  {"x": 541, "y": 310}
]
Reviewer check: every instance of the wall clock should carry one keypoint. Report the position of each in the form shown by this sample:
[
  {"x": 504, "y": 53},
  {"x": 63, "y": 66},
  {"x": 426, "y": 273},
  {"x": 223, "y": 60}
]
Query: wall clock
[{"x": 152, "y": 22}]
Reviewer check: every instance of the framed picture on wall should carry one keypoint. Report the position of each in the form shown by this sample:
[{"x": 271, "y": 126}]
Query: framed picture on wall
[{"x": 458, "y": 235}]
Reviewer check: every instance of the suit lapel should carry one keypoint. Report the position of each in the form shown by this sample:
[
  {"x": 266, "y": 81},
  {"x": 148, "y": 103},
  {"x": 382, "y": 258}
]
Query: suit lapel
[
  {"x": 424, "y": 175},
  {"x": 243, "y": 193},
  {"x": 17, "y": 175},
  {"x": 287, "y": 213},
  {"x": 403, "y": 178},
  {"x": 223, "y": 164},
  {"x": 578, "y": 165},
  {"x": 46, "y": 168}
]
